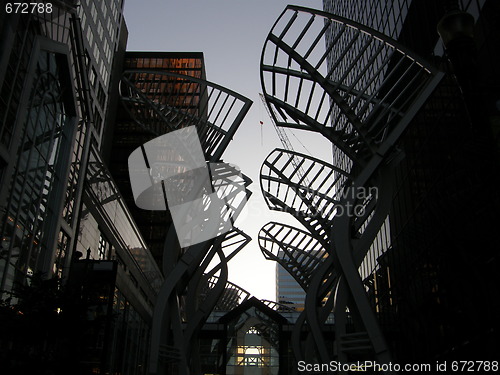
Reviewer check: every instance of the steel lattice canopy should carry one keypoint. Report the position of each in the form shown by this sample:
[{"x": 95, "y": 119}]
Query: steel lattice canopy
[
  {"x": 359, "y": 97},
  {"x": 161, "y": 102},
  {"x": 309, "y": 189},
  {"x": 295, "y": 249}
]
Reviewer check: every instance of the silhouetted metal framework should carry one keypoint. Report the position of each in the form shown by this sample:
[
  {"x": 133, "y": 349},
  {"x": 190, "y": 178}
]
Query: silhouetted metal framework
[
  {"x": 362, "y": 101},
  {"x": 258, "y": 318},
  {"x": 186, "y": 273},
  {"x": 309, "y": 189},
  {"x": 276, "y": 306},
  {"x": 232, "y": 296},
  {"x": 295, "y": 249},
  {"x": 161, "y": 102}
]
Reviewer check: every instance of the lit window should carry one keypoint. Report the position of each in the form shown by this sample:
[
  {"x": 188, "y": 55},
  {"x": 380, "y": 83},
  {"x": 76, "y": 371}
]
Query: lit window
[{"x": 103, "y": 248}]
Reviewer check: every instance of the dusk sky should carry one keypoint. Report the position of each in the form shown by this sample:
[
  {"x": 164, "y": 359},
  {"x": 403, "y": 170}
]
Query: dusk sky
[{"x": 231, "y": 34}]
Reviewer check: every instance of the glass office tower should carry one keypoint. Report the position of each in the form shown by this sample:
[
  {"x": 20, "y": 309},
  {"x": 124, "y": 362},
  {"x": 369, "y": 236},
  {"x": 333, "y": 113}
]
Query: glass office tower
[
  {"x": 44, "y": 143},
  {"x": 430, "y": 273},
  {"x": 128, "y": 134},
  {"x": 61, "y": 215},
  {"x": 44, "y": 126},
  {"x": 288, "y": 290}
]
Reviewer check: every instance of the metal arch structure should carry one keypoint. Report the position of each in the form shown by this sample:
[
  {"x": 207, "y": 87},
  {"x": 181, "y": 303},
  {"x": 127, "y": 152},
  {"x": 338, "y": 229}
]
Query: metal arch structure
[
  {"x": 360, "y": 93},
  {"x": 361, "y": 101},
  {"x": 314, "y": 204},
  {"x": 176, "y": 323},
  {"x": 276, "y": 306},
  {"x": 309, "y": 189},
  {"x": 161, "y": 102},
  {"x": 295, "y": 249},
  {"x": 313, "y": 197},
  {"x": 232, "y": 296}
]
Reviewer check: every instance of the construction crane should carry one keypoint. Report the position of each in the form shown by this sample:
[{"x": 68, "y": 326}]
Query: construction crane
[{"x": 285, "y": 141}]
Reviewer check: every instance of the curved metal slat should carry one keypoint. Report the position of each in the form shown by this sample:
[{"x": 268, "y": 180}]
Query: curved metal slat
[
  {"x": 295, "y": 249},
  {"x": 161, "y": 102},
  {"x": 232, "y": 296},
  {"x": 276, "y": 306},
  {"x": 357, "y": 97},
  {"x": 312, "y": 196},
  {"x": 232, "y": 243}
]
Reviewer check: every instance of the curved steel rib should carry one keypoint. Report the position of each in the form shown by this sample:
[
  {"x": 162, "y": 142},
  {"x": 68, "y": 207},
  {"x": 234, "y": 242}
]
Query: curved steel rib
[
  {"x": 161, "y": 102},
  {"x": 312, "y": 196},
  {"x": 276, "y": 306},
  {"x": 295, "y": 249},
  {"x": 361, "y": 93},
  {"x": 232, "y": 296},
  {"x": 358, "y": 97}
]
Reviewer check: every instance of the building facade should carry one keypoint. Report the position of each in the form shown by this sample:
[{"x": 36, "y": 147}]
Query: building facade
[
  {"x": 101, "y": 23},
  {"x": 288, "y": 290},
  {"x": 65, "y": 228},
  {"x": 431, "y": 267},
  {"x": 130, "y": 133}
]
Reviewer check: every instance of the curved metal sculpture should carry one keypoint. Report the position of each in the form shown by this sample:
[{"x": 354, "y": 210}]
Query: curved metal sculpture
[
  {"x": 232, "y": 296},
  {"x": 361, "y": 100},
  {"x": 276, "y": 306},
  {"x": 312, "y": 196},
  {"x": 295, "y": 249},
  {"x": 360, "y": 93},
  {"x": 163, "y": 102}
]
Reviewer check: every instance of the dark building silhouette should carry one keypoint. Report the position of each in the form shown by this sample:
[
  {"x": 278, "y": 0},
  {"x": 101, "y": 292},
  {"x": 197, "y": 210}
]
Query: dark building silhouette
[
  {"x": 431, "y": 271},
  {"x": 129, "y": 133},
  {"x": 78, "y": 281}
]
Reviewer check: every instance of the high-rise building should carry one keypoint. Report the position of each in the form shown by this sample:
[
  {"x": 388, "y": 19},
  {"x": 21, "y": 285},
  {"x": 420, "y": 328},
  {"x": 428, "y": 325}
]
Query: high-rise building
[
  {"x": 101, "y": 27},
  {"x": 430, "y": 273},
  {"x": 42, "y": 141},
  {"x": 31, "y": 189},
  {"x": 288, "y": 290},
  {"x": 61, "y": 213},
  {"x": 129, "y": 131}
]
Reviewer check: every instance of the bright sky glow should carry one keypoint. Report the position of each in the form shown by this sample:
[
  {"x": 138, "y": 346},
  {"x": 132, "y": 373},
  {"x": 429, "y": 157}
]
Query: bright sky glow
[{"x": 231, "y": 34}]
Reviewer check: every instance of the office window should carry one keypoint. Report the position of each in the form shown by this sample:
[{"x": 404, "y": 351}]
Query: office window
[
  {"x": 93, "y": 13},
  {"x": 100, "y": 30},
  {"x": 104, "y": 247},
  {"x": 42, "y": 156}
]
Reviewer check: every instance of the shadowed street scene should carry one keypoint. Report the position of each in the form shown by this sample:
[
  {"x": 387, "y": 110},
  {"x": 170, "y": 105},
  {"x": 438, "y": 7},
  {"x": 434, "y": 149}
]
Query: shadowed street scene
[{"x": 249, "y": 188}]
